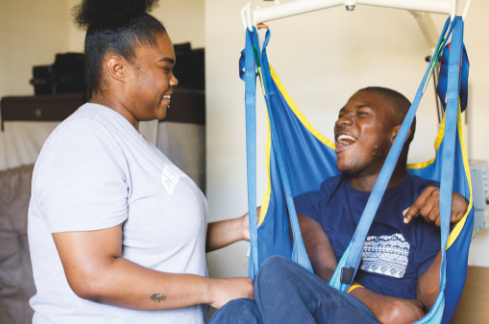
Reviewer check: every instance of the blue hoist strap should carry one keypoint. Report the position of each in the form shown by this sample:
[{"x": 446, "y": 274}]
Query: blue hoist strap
[
  {"x": 343, "y": 276},
  {"x": 249, "y": 77},
  {"x": 435, "y": 314},
  {"x": 299, "y": 253},
  {"x": 441, "y": 88}
]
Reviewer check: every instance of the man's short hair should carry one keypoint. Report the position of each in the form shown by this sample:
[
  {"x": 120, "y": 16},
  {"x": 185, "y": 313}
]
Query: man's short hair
[{"x": 399, "y": 104}]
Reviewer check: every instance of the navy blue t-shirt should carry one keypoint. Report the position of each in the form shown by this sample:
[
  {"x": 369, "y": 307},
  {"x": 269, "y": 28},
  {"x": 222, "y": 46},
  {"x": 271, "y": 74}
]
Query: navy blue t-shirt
[{"x": 395, "y": 254}]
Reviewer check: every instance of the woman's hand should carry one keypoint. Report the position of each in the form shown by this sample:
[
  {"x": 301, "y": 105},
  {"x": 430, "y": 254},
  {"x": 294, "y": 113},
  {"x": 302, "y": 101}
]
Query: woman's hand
[
  {"x": 245, "y": 223},
  {"x": 245, "y": 226},
  {"x": 224, "y": 290},
  {"x": 223, "y": 233}
]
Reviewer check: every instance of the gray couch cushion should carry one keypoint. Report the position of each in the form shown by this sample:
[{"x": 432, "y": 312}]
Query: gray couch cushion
[{"x": 16, "y": 281}]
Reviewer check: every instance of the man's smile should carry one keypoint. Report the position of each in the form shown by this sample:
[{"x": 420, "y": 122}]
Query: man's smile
[{"x": 344, "y": 141}]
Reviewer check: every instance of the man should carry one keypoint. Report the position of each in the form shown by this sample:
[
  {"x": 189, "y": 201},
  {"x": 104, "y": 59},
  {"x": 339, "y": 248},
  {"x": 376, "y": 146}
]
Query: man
[{"x": 397, "y": 281}]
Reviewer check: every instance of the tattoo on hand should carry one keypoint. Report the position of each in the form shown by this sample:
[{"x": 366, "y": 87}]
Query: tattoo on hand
[{"x": 157, "y": 297}]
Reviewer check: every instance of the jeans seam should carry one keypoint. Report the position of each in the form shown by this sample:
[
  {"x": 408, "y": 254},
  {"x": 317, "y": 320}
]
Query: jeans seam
[
  {"x": 240, "y": 314},
  {"x": 318, "y": 303}
]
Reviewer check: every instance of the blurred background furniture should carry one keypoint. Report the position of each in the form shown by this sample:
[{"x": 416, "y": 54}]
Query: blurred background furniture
[{"x": 16, "y": 281}]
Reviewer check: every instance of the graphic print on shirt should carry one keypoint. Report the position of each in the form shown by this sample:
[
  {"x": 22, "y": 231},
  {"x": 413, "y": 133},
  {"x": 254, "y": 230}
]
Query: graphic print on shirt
[
  {"x": 170, "y": 177},
  {"x": 386, "y": 254}
]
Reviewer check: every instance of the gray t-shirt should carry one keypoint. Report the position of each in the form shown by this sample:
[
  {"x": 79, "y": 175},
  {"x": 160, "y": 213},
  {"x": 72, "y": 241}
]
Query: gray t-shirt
[{"x": 94, "y": 172}]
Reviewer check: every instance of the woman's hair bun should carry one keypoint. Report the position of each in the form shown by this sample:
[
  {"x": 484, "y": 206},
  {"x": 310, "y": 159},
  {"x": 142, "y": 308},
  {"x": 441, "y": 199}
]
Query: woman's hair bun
[{"x": 110, "y": 13}]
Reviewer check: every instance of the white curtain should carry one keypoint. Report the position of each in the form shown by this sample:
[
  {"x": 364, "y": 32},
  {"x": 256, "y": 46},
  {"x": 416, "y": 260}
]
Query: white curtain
[
  {"x": 21, "y": 142},
  {"x": 184, "y": 145}
]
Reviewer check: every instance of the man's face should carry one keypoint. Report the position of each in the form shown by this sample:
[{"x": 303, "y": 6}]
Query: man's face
[{"x": 363, "y": 134}]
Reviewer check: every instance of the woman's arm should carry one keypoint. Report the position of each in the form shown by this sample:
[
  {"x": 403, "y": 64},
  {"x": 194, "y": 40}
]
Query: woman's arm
[
  {"x": 96, "y": 271},
  {"x": 223, "y": 233}
]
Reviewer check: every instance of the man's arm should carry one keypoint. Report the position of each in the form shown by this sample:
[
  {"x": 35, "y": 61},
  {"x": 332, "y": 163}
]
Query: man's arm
[
  {"x": 96, "y": 271},
  {"x": 428, "y": 283},
  {"x": 427, "y": 206},
  {"x": 318, "y": 247},
  {"x": 390, "y": 310},
  {"x": 323, "y": 261},
  {"x": 397, "y": 310}
]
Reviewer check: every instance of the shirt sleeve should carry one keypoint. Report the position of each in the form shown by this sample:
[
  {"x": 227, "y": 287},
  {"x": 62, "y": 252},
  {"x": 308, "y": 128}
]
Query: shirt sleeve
[
  {"x": 80, "y": 182},
  {"x": 310, "y": 203}
]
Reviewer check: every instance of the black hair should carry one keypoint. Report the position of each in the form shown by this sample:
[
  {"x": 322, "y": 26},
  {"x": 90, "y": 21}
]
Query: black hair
[
  {"x": 398, "y": 103},
  {"x": 114, "y": 26}
]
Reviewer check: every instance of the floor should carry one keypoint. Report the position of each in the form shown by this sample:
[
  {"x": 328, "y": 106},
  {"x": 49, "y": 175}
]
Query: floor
[{"x": 473, "y": 307}]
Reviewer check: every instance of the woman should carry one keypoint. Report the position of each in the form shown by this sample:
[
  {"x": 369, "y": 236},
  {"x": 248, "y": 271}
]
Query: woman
[{"x": 112, "y": 222}]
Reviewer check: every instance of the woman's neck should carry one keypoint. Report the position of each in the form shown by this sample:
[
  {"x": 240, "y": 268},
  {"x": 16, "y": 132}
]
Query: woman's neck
[{"x": 116, "y": 105}]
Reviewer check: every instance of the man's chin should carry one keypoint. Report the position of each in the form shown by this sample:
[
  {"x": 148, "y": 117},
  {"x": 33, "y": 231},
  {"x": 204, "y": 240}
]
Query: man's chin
[{"x": 344, "y": 167}]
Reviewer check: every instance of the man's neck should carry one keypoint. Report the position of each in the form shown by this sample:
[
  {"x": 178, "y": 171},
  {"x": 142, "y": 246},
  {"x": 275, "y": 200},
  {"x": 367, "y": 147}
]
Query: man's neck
[{"x": 367, "y": 182}]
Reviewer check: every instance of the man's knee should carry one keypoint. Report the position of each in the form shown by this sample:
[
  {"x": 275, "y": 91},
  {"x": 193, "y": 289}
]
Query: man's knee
[
  {"x": 277, "y": 270},
  {"x": 278, "y": 263},
  {"x": 275, "y": 266},
  {"x": 274, "y": 263}
]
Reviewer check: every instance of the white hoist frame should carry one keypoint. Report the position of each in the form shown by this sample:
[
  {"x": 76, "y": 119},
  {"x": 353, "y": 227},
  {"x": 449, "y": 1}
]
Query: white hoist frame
[{"x": 420, "y": 9}]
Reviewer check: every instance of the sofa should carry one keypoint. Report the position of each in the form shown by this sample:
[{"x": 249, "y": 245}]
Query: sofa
[{"x": 16, "y": 281}]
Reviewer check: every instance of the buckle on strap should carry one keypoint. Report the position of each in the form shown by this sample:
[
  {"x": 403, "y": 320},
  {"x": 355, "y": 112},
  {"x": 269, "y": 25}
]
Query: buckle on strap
[{"x": 347, "y": 275}]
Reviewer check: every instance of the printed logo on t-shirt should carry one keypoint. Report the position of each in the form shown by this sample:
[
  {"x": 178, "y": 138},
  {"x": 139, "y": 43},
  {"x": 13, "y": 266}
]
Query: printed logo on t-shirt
[
  {"x": 386, "y": 254},
  {"x": 169, "y": 178}
]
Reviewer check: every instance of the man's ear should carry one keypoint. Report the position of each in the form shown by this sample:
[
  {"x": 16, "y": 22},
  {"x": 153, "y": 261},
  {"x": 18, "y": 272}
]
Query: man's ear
[
  {"x": 395, "y": 131},
  {"x": 116, "y": 67}
]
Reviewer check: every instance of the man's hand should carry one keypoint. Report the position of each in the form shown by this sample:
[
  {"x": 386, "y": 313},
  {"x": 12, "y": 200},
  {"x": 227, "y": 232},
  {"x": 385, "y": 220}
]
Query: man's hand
[
  {"x": 427, "y": 206},
  {"x": 390, "y": 310}
]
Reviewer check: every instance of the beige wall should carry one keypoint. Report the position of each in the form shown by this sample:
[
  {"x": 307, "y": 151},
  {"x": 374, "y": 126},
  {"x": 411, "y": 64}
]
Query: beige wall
[
  {"x": 31, "y": 32},
  {"x": 322, "y": 58},
  {"x": 183, "y": 19}
]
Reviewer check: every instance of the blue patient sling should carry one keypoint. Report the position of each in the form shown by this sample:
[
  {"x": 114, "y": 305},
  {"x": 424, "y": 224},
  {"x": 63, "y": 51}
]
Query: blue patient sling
[{"x": 299, "y": 159}]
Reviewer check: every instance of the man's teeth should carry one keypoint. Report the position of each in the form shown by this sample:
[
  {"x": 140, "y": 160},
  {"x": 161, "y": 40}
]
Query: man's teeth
[
  {"x": 166, "y": 96},
  {"x": 346, "y": 139}
]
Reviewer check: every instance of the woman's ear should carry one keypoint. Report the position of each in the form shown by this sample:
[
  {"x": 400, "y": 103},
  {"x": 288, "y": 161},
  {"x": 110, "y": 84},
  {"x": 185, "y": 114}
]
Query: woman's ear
[
  {"x": 116, "y": 67},
  {"x": 395, "y": 131}
]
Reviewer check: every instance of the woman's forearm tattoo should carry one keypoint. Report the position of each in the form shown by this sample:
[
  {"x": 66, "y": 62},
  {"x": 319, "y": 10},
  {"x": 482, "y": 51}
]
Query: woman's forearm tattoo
[{"x": 157, "y": 297}]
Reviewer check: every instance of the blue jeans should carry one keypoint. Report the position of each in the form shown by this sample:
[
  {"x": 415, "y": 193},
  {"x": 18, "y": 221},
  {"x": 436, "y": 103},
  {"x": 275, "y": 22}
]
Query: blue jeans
[{"x": 287, "y": 293}]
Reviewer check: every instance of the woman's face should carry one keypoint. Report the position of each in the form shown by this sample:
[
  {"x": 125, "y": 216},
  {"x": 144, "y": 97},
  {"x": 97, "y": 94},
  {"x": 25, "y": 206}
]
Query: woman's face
[{"x": 149, "y": 84}]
